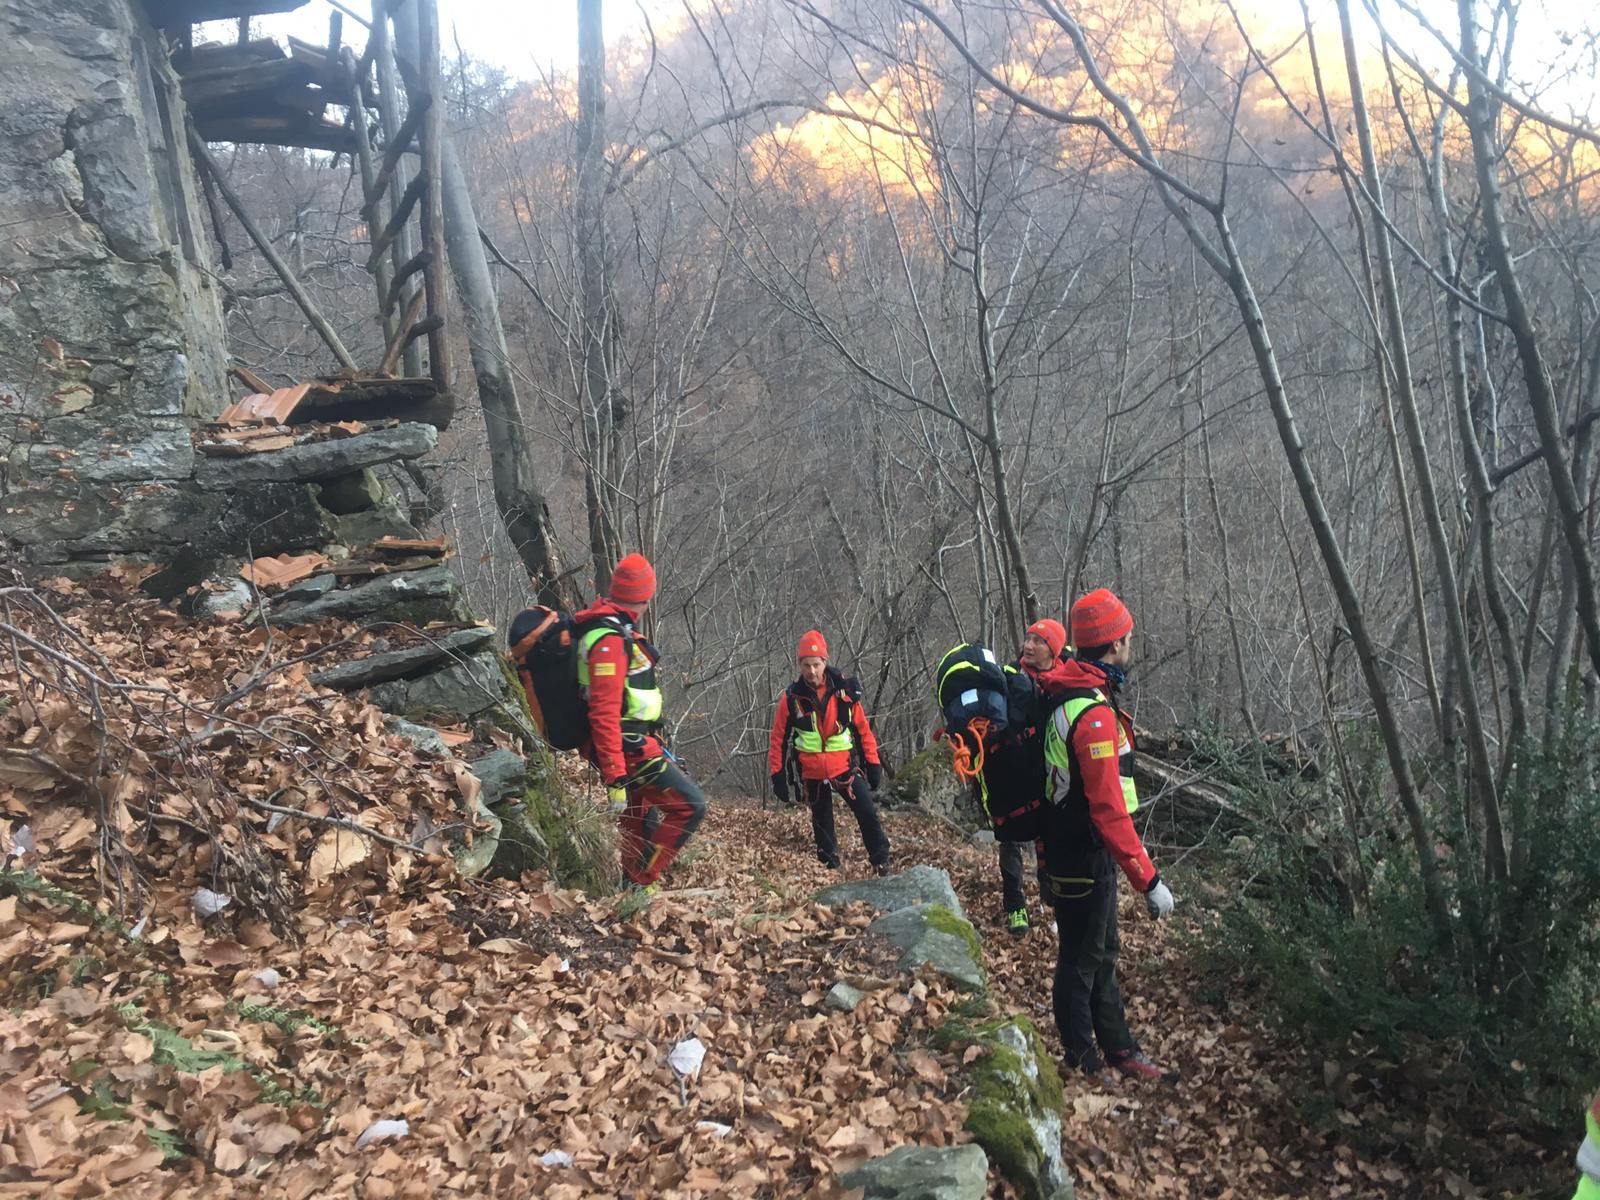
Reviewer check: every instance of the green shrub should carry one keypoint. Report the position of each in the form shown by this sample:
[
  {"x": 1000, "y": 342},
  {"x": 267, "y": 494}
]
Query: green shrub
[{"x": 1345, "y": 952}]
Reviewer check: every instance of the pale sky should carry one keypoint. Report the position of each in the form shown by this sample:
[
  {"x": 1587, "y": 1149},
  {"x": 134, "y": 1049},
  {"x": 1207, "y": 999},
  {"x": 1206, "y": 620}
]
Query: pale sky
[{"x": 528, "y": 38}]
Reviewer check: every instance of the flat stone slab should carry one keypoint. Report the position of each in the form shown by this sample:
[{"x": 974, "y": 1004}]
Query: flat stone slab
[
  {"x": 924, "y": 1173},
  {"x": 932, "y": 934},
  {"x": 919, "y": 885},
  {"x": 401, "y": 664},
  {"x": 379, "y": 597},
  {"x": 464, "y": 688},
  {"x": 326, "y": 459}
]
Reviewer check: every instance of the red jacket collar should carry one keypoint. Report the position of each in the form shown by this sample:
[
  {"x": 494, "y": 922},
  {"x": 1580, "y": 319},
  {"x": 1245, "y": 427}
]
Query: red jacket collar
[
  {"x": 606, "y": 608},
  {"x": 1075, "y": 673},
  {"x": 1057, "y": 677}
]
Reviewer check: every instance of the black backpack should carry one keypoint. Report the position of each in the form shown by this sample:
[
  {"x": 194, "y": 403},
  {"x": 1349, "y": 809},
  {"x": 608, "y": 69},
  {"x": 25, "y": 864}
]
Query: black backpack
[
  {"x": 544, "y": 649},
  {"x": 982, "y": 701},
  {"x": 989, "y": 711}
]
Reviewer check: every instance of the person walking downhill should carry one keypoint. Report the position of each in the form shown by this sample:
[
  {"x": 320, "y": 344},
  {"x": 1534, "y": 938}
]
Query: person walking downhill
[
  {"x": 820, "y": 720},
  {"x": 1089, "y": 832},
  {"x": 1016, "y": 767},
  {"x": 659, "y": 806}
]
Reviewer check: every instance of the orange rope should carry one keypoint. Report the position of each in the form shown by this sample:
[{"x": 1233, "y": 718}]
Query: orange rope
[{"x": 968, "y": 760}]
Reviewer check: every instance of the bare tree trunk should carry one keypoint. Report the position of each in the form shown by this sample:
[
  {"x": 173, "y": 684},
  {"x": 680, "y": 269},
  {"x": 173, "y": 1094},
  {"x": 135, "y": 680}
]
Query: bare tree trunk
[
  {"x": 513, "y": 455},
  {"x": 598, "y": 407},
  {"x": 1228, "y": 609},
  {"x": 1482, "y": 515},
  {"x": 1482, "y": 771},
  {"x": 1480, "y": 118}
]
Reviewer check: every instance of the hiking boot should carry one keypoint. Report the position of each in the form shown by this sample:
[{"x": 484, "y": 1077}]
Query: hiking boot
[
  {"x": 880, "y": 869},
  {"x": 1017, "y": 921},
  {"x": 1138, "y": 1064}
]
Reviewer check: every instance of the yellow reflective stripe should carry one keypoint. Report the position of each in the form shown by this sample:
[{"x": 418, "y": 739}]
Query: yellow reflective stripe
[
  {"x": 961, "y": 666},
  {"x": 1130, "y": 794},
  {"x": 642, "y": 704},
  {"x": 809, "y": 741}
]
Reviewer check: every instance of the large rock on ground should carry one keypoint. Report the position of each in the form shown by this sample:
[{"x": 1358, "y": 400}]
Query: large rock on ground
[
  {"x": 419, "y": 596},
  {"x": 919, "y": 885},
  {"x": 927, "y": 781},
  {"x": 326, "y": 459},
  {"x": 923, "y": 1173},
  {"x": 932, "y": 934},
  {"x": 465, "y": 688},
  {"x": 1014, "y": 1109},
  {"x": 402, "y": 664}
]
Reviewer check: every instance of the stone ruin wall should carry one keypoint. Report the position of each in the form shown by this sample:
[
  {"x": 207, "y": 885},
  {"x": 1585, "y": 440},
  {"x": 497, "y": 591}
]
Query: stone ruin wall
[
  {"x": 112, "y": 343},
  {"x": 113, "y": 355}
]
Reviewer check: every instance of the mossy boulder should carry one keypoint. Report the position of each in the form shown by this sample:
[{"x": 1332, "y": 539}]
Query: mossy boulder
[
  {"x": 923, "y": 1173},
  {"x": 1014, "y": 1106},
  {"x": 933, "y": 934},
  {"x": 547, "y": 828},
  {"x": 919, "y": 885},
  {"x": 928, "y": 781}
]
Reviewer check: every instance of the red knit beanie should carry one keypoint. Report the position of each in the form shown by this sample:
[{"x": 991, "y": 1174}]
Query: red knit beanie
[
  {"x": 1099, "y": 619},
  {"x": 1052, "y": 633},
  {"x": 812, "y": 645},
  {"x": 633, "y": 580}
]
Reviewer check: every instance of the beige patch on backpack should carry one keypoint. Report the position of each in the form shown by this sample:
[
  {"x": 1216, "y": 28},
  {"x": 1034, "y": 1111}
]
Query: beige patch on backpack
[{"x": 1102, "y": 749}]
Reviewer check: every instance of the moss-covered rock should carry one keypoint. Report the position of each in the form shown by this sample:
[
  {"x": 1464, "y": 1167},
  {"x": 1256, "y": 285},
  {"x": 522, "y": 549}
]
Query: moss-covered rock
[
  {"x": 918, "y": 885},
  {"x": 1014, "y": 1107},
  {"x": 923, "y": 1173},
  {"x": 934, "y": 935},
  {"x": 548, "y": 829},
  {"x": 928, "y": 781}
]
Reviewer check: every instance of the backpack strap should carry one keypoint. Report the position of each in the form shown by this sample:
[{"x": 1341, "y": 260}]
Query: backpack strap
[{"x": 526, "y": 642}]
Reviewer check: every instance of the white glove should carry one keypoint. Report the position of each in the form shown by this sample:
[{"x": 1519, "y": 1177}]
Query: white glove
[
  {"x": 1589, "y": 1159},
  {"x": 1158, "y": 899}
]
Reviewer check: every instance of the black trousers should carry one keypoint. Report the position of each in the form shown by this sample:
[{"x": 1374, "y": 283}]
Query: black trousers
[
  {"x": 1087, "y": 1001},
  {"x": 1013, "y": 871},
  {"x": 819, "y": 796}
]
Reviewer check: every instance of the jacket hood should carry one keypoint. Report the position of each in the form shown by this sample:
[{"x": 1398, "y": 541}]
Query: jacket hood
[
  {"x": 603, "y": 607},
  {"x": 1060, "y": 675},
  {"x": 1076, "y": 673}
]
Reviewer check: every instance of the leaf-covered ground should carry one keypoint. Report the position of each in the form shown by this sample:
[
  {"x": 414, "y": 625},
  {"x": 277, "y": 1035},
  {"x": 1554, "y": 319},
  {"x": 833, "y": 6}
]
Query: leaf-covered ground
[{"x": 522, "y": 1032}]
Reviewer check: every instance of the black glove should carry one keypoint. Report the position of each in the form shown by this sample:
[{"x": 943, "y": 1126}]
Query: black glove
[
  {"x": 874, "y": 775},
  {"x": 780, "y": 787}
]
